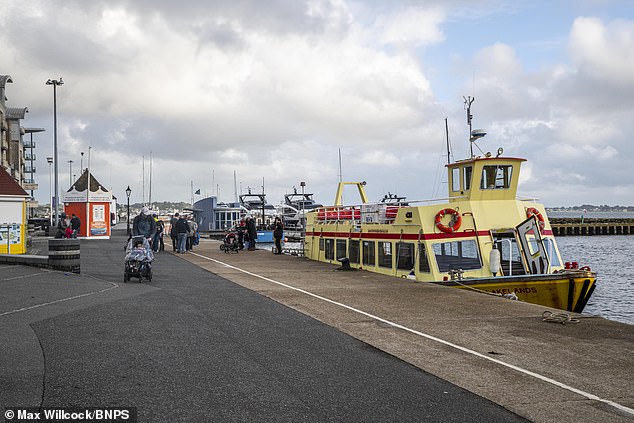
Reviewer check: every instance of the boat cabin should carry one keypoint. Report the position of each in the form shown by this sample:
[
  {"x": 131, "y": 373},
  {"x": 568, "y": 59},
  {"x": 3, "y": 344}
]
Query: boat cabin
[{"x": 484, "y": 178}]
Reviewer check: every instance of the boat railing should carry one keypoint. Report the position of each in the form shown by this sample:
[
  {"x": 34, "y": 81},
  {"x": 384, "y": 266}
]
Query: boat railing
[{"x": 364, "y": 213}]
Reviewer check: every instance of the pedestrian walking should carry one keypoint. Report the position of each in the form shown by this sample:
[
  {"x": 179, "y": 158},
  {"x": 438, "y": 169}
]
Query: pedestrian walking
[
  {"x": 278, "y": 233},
  {"x": 181, "y": 229},
  {"x": 173, "y": 233},
  {"x": 75, "y": 224},
  {"x": 144, "y": 224},
  {"x": 253, "y": 233}
]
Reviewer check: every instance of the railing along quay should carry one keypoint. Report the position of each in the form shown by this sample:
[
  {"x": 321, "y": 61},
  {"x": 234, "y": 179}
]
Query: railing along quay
[{"x": 591, "y": 226}]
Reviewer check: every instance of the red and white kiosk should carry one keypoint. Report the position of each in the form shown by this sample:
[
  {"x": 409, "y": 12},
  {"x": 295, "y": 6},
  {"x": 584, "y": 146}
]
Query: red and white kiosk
[{"x": 91, "y": 203}]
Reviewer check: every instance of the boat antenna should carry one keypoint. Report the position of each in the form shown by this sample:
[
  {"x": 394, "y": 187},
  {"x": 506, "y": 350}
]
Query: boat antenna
[
  {"x": 468, "y": 101},
  {"x": 447, "y": 136},
  {"x": 474, "y": 134}
]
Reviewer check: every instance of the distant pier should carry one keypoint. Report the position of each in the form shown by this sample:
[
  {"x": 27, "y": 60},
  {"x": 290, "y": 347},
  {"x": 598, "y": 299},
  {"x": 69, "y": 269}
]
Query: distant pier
[{"x": 591, "y": 226}]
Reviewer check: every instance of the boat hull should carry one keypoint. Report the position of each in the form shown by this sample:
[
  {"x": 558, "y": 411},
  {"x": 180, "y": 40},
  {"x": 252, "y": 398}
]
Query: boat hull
[{"x": 567, "y": 290}]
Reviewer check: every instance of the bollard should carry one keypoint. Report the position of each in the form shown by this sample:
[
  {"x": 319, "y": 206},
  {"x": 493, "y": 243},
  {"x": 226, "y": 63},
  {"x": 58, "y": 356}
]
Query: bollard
[{"x": 64, "y": 254}]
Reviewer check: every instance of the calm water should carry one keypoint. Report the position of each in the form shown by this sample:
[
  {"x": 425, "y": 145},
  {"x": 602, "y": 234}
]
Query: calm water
[{"x": 611, "y": 258}]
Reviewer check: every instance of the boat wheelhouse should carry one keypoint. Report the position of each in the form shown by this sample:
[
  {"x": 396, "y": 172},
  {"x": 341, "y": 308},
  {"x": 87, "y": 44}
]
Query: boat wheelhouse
[{"x": 481, "y": 237}]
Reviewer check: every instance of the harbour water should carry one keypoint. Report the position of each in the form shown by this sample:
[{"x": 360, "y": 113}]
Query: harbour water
[{"x": 611, "y": 258}]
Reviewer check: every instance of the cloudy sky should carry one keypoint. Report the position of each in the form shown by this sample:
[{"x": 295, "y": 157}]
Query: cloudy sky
[{"x": 274, "y": 89}]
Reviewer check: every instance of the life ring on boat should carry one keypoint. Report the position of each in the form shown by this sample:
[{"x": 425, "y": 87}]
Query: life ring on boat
[
  {"x": 456, "y": 221},
  {"x": 532, "y": 211}
]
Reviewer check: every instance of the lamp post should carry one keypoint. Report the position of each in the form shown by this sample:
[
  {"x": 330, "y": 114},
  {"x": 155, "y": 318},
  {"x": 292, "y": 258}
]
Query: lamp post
[
  {"x": 55, "y": 83},
  {"x": 128, "y": 191},
  {"x": 50, "y": 188},
  {"x": 70, "y": 173}
]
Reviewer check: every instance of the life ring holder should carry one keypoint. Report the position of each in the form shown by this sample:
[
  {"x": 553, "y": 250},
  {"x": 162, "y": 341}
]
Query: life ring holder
[
  {"x": 532, "y": 211},
  {"x": 455, "y": 223}
]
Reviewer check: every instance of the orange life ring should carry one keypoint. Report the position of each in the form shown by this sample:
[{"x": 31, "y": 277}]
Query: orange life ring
[
  {"x": 455, "y": 223},
  {"x": 532, "y": 211}
]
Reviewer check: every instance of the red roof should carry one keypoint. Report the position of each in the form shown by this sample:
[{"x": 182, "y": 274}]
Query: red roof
[{"x": 8, "y": 185}]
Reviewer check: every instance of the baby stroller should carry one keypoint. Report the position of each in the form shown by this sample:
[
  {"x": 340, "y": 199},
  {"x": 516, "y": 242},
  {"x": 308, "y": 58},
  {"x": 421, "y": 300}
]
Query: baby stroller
[
  {"x": 230, "y": 243},
  {"x": 138, "y": 259}
]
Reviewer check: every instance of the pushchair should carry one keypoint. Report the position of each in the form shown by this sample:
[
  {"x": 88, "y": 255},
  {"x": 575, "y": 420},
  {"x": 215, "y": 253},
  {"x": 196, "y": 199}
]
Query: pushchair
[
  {"x": 138, "y": 259},
  {"x": 230, "y": 243}
]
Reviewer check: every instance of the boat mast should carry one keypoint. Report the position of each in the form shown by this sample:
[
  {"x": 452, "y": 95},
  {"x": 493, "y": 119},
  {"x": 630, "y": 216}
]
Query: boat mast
[
  {"x": 468, "y": 101},
  {"x": 447, "y": 136},
  {"x": 150, "y": 193}
]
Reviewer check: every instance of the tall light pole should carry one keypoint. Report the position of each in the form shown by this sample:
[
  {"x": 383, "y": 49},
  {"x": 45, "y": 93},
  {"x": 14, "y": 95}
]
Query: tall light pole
[
  {"x": 128, "y": 191},
  {"x": 55, "y": 83},
  {"x": 50, "y": 188}
]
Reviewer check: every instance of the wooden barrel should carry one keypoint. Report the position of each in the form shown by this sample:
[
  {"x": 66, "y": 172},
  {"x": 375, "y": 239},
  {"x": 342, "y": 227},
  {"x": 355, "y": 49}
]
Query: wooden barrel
[{"x": 63, "y": 254}]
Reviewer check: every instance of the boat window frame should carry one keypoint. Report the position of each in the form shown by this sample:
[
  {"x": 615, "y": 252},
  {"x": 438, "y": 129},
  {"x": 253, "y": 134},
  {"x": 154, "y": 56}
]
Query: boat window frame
[
  {"x": 329, "y": 248},
  {"x": 354, "y": 252},
  {"x": 423, "y": 260},
  {"x": 455, "y": 179},
  {"x": 410, "y": 252},
  {"x": 467, "y": 176},
  {"x": 368, "y": 253},
  {"x": 385, "y": 254},
  {"x": 447, "y": 261},
  {"x": 552, "y": 250},
  {"x": 341, "y": 252},
  {"x": 493, "y": 181}
]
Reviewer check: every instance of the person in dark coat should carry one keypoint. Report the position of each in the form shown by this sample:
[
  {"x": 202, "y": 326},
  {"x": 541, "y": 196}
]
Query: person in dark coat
[
  {"x": 144, "y": 224},
  {"x": 278, "y": 233},
  {"x": 75, "y": 224},
  {"x": 253, "y": 233},
  {"x": 181, "y": 229}
]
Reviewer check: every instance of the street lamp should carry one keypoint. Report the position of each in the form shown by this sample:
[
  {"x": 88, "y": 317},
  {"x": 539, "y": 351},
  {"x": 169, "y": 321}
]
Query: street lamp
[
  {"x": 128, "y": 191},
  {"x": 70, "y": 173},
  {"x": 55, "y": 83},
  {"x": 50, "y": 188}
]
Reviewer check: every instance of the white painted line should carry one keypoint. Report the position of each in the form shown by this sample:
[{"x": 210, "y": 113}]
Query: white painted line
[
  {"x": 433, "y": 338},
  {"x": 43, "y": 272},
  {"x": 6, "y": 313}
]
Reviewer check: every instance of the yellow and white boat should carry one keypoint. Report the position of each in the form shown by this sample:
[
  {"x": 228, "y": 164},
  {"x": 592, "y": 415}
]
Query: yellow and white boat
[{"x": 480, "y": 237}]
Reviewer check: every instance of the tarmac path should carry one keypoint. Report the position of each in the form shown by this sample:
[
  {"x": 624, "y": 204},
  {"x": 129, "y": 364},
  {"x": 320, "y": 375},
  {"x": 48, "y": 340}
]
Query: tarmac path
[{"x": 192, "y": 346}]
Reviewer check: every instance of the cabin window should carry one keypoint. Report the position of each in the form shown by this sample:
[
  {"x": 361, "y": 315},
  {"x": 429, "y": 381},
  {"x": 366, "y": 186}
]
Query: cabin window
[
  {"x": 549, "y": 247},
  {"x": 456, "y": 255},
  {"x": 385, "y": 254},
  {"x": 341, "y": 248},
  {"x": 404, "y": 256},
  {"x": 455, "y": 179},
  {"x": 496, "y": 177},
  {"x": 468, "y": 173},
  {"x": 329, "y": 248},
  {"x": 551, "y": 250},
  {"x": 353, "y": 251},
  {"x": 423, "y": 262},
  {"x": 368, "y": 253},
  {"x": 321, "y": 244}
]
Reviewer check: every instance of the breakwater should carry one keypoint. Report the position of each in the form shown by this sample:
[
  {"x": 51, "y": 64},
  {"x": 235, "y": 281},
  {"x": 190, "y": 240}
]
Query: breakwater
[{"x": 568, "y": 226}]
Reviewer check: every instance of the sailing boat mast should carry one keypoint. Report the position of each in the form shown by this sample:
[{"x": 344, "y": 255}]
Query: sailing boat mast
[{"x": 150, "y": 194}]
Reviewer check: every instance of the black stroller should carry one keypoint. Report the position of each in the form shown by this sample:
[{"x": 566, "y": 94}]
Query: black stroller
[
  {"x": 230, "y": 243},
  {"x": 138, "y": 259}
]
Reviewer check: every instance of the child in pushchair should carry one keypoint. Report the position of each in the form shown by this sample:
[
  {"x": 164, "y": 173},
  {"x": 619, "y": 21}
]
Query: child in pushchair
[
  {"x": 138, "y": 259},
  {"x": 230, "y": 243}
]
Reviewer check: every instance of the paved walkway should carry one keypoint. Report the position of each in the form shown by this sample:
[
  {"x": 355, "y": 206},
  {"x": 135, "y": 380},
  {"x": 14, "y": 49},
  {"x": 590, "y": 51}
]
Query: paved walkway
[
  {"x": 192, "y": 346},
  {"x": 496, "y": 348}
]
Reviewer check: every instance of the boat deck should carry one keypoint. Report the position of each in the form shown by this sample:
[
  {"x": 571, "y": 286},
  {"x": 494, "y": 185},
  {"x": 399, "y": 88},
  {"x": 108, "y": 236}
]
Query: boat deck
[{"x": 499, "y": 349}]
